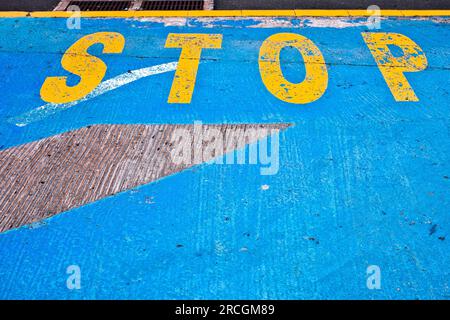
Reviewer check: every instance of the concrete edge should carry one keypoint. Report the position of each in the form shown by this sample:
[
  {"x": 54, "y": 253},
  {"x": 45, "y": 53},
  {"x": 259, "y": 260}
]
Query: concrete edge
[{"x": 227, "y": 13}]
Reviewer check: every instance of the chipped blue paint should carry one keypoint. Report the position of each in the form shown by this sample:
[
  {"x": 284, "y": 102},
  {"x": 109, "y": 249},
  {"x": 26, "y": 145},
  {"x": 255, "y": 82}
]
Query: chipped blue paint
[{"x": 363, "y": 180}]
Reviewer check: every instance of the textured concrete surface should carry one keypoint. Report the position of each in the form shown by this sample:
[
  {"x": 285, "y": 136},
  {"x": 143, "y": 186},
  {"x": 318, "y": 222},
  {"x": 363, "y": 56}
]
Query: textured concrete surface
[{"x": 49, "y": 176}]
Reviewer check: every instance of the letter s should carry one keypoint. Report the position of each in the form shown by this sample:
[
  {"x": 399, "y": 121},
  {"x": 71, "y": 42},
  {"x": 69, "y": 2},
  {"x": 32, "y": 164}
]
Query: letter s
[{"x": 77, "y": 61}]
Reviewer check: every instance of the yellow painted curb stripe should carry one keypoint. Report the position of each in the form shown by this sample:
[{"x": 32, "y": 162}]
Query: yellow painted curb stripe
[
  {"x": 12, "y": 14},
  {"x": 386, "y": 13},
  {"x": 426, "y": 13},
  {"x": 215, "y": 13},
  {"x": 322, "y": 13},
  {"x": 268, "y": 13},
  {"x": 227, "y": 13},
  {"x": 109, "y": 14}
]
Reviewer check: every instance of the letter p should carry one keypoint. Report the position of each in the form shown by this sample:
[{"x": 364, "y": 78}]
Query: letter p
[{"x": 391, "y": 67}]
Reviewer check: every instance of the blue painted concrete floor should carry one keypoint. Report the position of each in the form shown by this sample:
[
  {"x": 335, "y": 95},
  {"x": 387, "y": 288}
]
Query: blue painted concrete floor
[{"x": 363, "y": 179}]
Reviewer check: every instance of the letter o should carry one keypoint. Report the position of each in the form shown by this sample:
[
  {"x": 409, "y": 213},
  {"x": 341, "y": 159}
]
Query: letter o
[{"x": 316, "y": 79}]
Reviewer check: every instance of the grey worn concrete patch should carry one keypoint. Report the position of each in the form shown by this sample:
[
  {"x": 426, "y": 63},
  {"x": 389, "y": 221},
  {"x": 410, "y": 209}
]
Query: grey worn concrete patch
[{"x": 43, "y": 178}]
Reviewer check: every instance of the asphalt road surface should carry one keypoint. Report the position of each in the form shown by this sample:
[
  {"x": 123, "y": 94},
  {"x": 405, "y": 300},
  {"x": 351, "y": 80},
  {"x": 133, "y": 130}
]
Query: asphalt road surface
[
  {"x": 330, "y": 4},
  {"x": 43, "y": 5}
]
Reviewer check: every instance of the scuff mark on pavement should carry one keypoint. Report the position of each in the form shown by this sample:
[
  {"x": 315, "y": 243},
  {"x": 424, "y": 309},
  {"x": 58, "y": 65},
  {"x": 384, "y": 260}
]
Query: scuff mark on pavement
[{"x": 114, "y": 83}]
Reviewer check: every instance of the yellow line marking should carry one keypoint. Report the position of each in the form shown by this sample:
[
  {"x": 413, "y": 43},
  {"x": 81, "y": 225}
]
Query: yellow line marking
[
  {"x": 215, "y": 13},
  {"x": 425, "y": 13},
  {"x": 51, "y": 14},
  {"x": 109, "y": 14},
  {"x": 321, "y": 13},
  {"x": 228, "y": 13},
  {"x": 154, "y": 13},
  {"x": 268, "y": 13},
  {"x": 12, "y": 14},
  {"x": 385, "y": 13}
]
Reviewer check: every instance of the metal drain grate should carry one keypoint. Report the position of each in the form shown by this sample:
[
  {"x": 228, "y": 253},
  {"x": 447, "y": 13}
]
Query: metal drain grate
[
  {"x": 101, "y": 5},
  {"x": 172, "y": 5}
]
